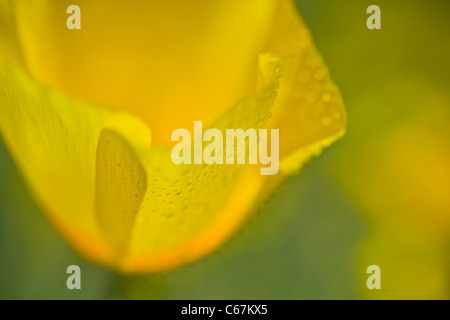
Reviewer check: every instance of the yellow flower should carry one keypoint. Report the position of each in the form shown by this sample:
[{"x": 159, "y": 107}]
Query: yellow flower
[{"x": 88, "y": 114}]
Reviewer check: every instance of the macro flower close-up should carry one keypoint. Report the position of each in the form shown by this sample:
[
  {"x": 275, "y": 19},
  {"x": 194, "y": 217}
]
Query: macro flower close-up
[
  {"x": 192, "y": 150},
  {"x": 88, "y": 115}
]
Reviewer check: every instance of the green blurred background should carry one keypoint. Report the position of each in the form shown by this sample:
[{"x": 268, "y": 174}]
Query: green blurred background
[{"x": 380, "y": 195}]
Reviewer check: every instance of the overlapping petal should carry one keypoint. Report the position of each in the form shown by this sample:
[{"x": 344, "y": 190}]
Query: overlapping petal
[
  {"x": 120, "y": 200},
  {"x": 53, "y": 139},
  {"x": 174, "y": 61}
]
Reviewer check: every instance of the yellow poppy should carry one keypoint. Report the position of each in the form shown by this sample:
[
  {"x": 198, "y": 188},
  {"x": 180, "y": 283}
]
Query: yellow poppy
[{"x": 88, "y": 114}]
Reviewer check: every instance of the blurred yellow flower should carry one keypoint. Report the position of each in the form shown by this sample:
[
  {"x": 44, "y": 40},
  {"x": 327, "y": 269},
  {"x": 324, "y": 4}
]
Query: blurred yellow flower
[
  {"x": 405, "y": 172},
  {"x": 88, "y": 114}
]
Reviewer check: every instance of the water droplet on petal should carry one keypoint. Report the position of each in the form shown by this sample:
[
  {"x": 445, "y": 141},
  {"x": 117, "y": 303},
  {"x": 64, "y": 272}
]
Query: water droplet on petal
[
  {"x": 326, "y": 97},
  {"x": 326, "y": 121}
]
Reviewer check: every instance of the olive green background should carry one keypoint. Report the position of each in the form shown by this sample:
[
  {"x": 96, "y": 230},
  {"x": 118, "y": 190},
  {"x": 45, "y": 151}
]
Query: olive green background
[{"x": 305, "y": 244}]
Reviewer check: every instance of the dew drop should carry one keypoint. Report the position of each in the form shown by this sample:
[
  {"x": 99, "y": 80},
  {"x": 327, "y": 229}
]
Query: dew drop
[
  {"x": 326, "y": 97},
  {"x": 326, "y": 121},
  {"x": 320, "y": 74}
]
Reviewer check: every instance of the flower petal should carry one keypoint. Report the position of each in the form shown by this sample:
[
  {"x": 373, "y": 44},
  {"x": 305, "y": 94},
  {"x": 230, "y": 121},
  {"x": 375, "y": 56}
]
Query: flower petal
[
  {"x": 309, "y": 111},
  {"x": 190, "y": 210},
  {"x": 168, "y": 62},
  {"x": 148, "y": 214},
  {"x": 53, "y": 139},
  {"x": 121, "y": 183},
  {"x": 10, "y": 48},
  {"x": 69, "y": 152}
]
